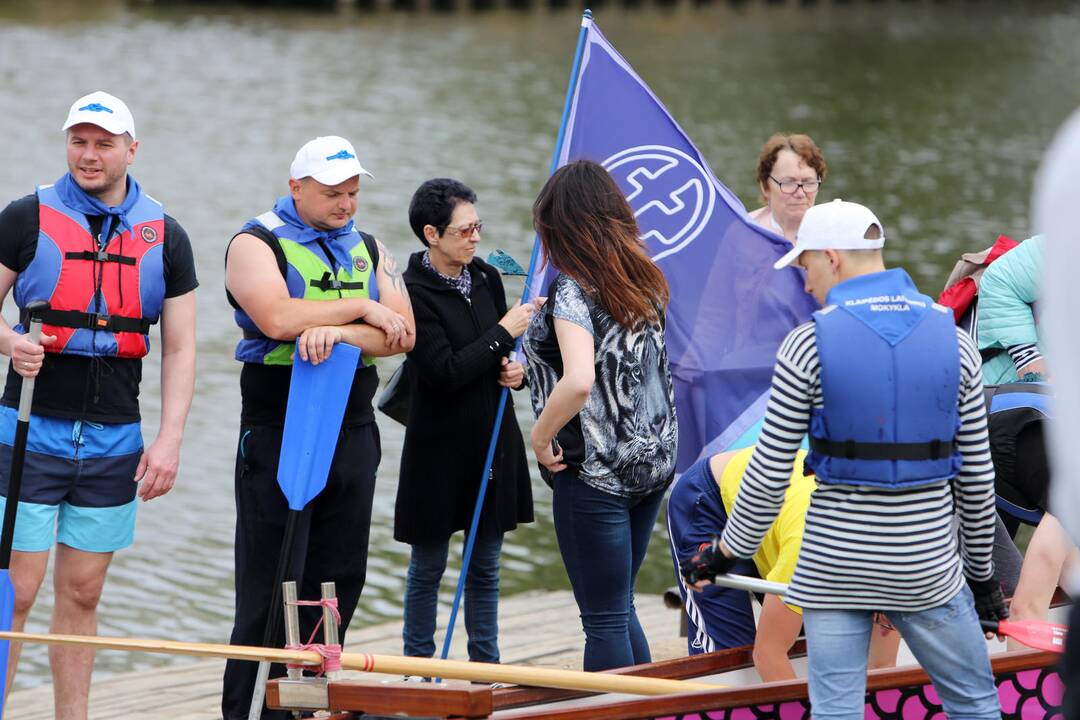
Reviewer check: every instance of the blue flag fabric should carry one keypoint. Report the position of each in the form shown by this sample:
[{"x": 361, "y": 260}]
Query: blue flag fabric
[
  {"x": 729, "y": 309},
  {"x": 317, "y": 398}
]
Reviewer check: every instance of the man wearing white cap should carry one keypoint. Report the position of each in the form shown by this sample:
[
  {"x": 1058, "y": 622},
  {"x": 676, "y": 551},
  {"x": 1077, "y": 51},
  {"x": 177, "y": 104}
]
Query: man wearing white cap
[
  {"x": 111, "y": 263},
  {"x": 303, "y": 270},
  {"x": 890, "y": 392}
]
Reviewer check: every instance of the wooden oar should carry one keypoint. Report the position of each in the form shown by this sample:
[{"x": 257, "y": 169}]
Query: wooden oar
[
  {"x": 1033, "y": 633},
  {"x": 389, "y": 664}
]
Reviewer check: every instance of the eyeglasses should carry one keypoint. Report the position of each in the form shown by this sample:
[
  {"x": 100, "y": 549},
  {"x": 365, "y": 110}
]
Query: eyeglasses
[
  {"x": 465, "y": 231},
  {"x": 788, "y": 187}
]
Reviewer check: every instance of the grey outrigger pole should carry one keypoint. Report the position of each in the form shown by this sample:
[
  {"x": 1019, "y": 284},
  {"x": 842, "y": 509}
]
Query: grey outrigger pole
[{"x": 742, "y": 582}]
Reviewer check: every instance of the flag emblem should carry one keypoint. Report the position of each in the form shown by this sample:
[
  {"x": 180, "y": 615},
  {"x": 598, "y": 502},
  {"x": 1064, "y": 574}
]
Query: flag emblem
[{"x": 671, "y": 193}]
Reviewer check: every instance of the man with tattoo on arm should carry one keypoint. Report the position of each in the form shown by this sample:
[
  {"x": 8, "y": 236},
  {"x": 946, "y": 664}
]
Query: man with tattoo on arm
[{"x": 303, "y": 270}]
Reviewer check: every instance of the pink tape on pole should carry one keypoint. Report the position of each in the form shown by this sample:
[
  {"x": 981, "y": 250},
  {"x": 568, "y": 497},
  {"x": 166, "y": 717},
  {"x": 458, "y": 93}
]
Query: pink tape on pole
[
  {"x": 331, "y": 657},
  {"x": 331, "y": 654}
]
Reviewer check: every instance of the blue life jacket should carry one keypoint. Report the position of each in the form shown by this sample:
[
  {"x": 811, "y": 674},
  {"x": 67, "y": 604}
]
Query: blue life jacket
[{"x": 890, "y": 377}]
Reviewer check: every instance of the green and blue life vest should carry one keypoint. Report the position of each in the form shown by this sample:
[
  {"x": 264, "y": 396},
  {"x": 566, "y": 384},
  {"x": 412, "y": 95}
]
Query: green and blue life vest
[{"x": 310, "y": 273}]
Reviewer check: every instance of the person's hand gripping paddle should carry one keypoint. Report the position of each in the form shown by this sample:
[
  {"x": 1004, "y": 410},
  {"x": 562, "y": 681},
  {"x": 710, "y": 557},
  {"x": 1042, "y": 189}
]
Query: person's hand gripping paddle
[
  {"x": 317, "y": 398},
  {"x": 14, "y": 486}
]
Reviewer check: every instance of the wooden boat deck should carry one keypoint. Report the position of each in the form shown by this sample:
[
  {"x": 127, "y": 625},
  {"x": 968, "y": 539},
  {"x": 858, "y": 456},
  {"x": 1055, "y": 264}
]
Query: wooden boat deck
[{"x": 540, "y": 628}]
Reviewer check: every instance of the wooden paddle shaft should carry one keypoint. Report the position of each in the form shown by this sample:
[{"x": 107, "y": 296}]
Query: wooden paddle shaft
[
  {"x": 540, "y": 677},
  {"x": 390, "y": 664}
]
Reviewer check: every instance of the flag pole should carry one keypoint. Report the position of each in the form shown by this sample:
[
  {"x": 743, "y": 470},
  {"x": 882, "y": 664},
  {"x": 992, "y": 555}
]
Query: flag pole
[{"x": 470, "y": 541}]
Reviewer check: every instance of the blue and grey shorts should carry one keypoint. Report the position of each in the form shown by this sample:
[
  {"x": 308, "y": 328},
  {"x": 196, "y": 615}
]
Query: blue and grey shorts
[{"x": 78, "y": 483}]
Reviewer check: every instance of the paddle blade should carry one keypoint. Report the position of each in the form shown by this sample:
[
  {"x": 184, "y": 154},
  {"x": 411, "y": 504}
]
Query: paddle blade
[
  {"x": 1033, "y": 633},
  {"x": 317, "y": 398},
  {"x": 7, "y": 610}
]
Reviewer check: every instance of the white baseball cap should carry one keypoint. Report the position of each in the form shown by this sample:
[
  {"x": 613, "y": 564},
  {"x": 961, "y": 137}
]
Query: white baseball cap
[
  {"x": 329, "y": 160},
  {"x": 836, "y": 225},
  {"x": 104, "y": 110}
]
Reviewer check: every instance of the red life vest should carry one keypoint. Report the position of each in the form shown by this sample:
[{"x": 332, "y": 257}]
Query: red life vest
[
  {"x": 960, "y": 295},
  {"x": 102, "y": 302}
]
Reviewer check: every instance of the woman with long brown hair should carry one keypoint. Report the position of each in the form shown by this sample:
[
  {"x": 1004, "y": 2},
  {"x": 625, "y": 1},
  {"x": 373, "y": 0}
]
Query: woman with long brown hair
[{"x": 605, "y": 433}]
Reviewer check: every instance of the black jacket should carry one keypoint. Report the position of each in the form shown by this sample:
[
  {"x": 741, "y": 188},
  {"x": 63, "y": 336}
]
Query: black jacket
[{"x": 454, "y": 372}]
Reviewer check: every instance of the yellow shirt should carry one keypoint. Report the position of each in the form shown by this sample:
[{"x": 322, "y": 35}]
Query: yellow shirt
[{"x": 775, "y": 559}]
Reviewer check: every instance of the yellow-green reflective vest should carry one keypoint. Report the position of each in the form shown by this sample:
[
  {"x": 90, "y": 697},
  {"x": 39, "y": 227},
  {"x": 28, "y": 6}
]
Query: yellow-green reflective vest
[{"x": 310, "y": 274}]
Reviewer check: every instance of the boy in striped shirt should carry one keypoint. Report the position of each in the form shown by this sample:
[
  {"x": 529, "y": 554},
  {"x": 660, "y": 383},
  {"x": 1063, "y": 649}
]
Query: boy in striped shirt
[{"x": 891, "y": 395}]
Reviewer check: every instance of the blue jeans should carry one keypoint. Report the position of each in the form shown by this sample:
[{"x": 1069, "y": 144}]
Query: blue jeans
[
  {"x": 603, "y": 539},
  {"x": 426, "y": 567},
  {"x": 946, "y": 640}
]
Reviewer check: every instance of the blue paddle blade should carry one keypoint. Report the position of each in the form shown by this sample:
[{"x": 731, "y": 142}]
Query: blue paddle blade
[
  {"x": 317, "y": 397},
  {"x": 7, "y": 610},
  {"x": 505, "y": 264}
]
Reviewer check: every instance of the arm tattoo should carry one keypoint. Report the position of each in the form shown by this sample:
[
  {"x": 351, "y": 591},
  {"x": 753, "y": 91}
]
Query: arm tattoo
[{"x": 390, "y": 267}]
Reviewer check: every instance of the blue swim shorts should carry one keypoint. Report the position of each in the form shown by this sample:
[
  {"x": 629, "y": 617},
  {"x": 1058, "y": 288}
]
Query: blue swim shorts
[{"x": 78, "y": 483}]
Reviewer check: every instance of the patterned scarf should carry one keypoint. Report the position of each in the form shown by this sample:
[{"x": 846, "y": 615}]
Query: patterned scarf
[{"x": 462, "y": 283}]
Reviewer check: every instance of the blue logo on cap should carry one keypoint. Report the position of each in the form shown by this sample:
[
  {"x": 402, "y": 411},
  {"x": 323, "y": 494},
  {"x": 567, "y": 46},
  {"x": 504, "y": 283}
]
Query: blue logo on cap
[
  {"x": 342, "y": 155},
  {"x": 95, "y": 107}
]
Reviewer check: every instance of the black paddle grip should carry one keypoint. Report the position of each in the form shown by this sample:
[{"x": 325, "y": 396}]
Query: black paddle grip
[{"x": 18, "y": 450}]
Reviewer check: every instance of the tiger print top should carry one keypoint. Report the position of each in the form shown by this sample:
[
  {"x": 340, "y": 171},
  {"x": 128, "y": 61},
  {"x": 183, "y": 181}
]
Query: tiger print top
[{"x": 624, "y": 439}]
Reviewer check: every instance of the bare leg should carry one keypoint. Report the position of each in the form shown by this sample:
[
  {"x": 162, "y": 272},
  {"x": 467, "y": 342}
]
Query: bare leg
[
  {"x": 1048, "y": 554},
  {"x": 79, "y": 578},
  {"x": 884, "y": 644},
  {"x": 777, "y": 629},
  {"x": 26, "y": 572}
]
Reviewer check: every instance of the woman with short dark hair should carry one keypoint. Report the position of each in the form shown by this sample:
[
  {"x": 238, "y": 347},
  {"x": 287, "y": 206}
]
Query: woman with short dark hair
[
  {"x": 464, "y": 335},
  {"x": 605, "y": 432}
]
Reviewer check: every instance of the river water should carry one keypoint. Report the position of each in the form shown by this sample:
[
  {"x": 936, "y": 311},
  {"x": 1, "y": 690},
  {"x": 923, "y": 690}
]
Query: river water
[{"x": 933, "y": 114}]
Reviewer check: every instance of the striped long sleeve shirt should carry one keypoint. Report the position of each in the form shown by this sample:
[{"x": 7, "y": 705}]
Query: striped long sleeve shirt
[{"x": 870, "y": 548}]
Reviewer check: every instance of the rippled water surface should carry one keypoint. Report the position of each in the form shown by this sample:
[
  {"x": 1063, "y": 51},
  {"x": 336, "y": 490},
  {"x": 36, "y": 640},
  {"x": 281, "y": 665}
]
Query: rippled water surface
[{"x": 934, "y": 114}]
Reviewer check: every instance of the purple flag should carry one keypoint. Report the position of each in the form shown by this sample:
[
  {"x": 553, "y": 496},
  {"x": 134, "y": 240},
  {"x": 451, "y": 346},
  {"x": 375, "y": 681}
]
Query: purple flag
[{"x": 729, "y": 309}]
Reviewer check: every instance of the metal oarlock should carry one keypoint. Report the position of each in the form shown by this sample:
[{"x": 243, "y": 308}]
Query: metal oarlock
[
  {"x": 292, "y": 622},
  {"x": 292, "y": 628},
  {"x": 296, "y": 691},
  {"x": 330, "y": 622}
]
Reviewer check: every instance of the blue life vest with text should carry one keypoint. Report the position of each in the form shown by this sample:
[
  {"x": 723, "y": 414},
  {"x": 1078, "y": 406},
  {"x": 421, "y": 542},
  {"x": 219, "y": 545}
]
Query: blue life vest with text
[
  {"x": 890, "y": 378},
  {"x": 102, "y": 298}
]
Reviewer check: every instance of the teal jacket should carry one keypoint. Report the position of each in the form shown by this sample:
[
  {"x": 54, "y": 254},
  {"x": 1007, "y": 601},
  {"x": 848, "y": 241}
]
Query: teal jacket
[{"x": 1006, "y": 316}]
